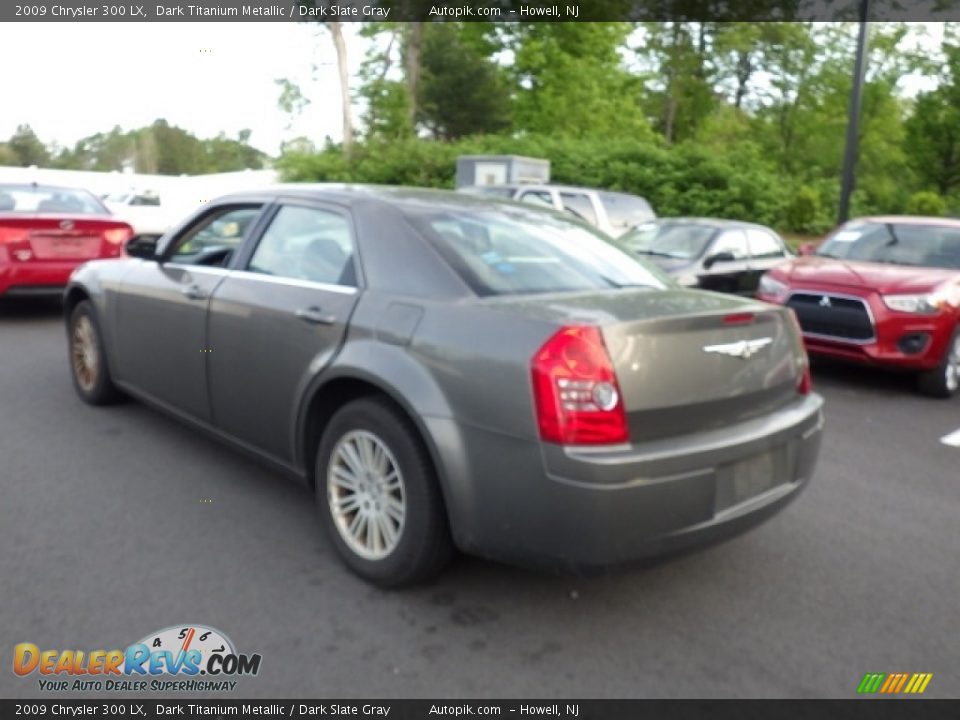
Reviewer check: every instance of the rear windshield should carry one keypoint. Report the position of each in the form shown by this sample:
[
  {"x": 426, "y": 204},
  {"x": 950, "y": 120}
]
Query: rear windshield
[
  {"x": 673, "y": 240},
  {"x": 40, "y": 199},
  {"x": 517, "y": 250},
  {"x": 895, "y": 243}
]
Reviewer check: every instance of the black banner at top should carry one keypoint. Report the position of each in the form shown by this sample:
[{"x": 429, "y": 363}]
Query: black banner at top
[
  {"x": 474, "y": 10},
  {"x": 187, "y": 707}
]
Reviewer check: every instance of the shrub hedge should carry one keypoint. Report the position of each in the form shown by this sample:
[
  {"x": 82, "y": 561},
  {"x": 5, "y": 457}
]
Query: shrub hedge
[{"x": 686, "y": 179}]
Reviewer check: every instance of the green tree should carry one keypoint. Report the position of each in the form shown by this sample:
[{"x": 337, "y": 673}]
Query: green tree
[
  {"x": 570, "y": 79},
  {"x": 933, "y": 128},
  {"x": 27, "y": 148},
  {"x": 461, "y": 91}
]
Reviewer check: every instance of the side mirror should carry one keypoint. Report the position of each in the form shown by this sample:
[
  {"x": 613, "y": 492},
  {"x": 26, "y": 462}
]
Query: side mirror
[
  {"x": 807, "y": 248},
  {"x": 143, "y": 247},
  {"x": 718, "y": 258}
]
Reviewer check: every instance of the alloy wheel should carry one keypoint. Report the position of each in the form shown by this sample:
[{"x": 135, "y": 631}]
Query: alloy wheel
[
  {"x": 85, "y": 354},
  {"x": 366, "y": 494}
]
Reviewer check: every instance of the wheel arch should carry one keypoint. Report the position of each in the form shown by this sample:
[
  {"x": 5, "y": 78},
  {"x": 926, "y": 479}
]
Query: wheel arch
[{"x": 336, "y": 390}]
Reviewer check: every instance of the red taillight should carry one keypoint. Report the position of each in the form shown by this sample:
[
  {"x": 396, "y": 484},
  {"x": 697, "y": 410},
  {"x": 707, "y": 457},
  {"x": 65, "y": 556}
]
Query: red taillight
[
  {"x": 117, "y": 239},
  {"x": 118, "y": 236},
  {"x": 739, "y": 319},
  {"x": 575, "y": 390}
]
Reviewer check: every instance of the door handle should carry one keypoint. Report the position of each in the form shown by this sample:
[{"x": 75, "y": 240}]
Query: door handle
[
  {"x": 315, "y": 316},
  {"x": 194, "y": 292}
]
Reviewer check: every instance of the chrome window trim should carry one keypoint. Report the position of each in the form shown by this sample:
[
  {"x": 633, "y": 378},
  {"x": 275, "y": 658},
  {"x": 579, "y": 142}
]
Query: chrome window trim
[
  {"x": 842, "y": 296},
  {"x": 209, "y": 269},
  {"x": 293, "y": 282}
]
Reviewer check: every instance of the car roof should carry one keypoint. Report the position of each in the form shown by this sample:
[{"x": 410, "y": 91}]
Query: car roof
[
  {"x": 911, "y": 219},
  {"x": 709, "y": 222},
  {"x": 42, "y": 187},
  {"x": 395, "y": 195}
]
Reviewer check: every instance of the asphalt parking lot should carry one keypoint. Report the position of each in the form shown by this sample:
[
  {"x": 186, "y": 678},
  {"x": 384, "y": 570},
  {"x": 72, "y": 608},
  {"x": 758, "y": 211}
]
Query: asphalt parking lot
[{"x": 118, "y": 522}]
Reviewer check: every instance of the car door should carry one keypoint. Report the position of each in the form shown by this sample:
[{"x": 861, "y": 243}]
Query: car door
[
  {"x": 725, "y": 267},
  {"x": 766, "y": 251},
  {"x": 278, "y": 319},
  {"x": 162, "y": 348}
]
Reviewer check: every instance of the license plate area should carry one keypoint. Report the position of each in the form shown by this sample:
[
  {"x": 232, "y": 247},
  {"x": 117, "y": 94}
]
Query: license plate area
[
  {"x": 740, "y": 481},
  {"x": 47, "y": 247}
]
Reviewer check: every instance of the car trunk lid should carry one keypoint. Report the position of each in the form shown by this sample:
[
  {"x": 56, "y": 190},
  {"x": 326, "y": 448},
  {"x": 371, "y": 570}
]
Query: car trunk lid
[
  {"x": 46, "y": 238},
  {"x": 686, "y": 360}
]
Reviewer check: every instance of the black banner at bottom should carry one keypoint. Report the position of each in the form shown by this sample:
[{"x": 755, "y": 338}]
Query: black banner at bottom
[{"x": 868, "y": 709}]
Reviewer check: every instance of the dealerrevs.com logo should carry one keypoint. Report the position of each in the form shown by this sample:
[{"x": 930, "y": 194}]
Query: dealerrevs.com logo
[{"x": 187, "y": 658}]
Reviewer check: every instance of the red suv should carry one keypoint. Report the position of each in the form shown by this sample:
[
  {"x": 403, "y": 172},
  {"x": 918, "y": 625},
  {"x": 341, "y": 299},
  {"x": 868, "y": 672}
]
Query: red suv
[{"x": 882, "y": 291}]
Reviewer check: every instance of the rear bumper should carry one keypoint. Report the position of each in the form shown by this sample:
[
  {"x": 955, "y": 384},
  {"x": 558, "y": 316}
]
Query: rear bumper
[
  {"x": 32, "y": 279},
  {"x": 578, "y": 509}
]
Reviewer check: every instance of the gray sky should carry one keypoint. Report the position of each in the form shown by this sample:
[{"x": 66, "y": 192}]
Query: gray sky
[{"x": 71, "y": 80}]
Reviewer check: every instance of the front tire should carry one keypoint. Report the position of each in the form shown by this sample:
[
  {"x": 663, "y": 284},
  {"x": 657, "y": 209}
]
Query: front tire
[
  {"x": 944, "y": 380},
  {"x": 379, "y": 497},
  {"x": 88, "y": 361}
]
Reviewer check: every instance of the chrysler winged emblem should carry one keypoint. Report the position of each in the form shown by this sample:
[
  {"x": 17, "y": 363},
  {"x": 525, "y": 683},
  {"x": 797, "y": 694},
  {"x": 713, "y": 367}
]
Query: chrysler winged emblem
[{"x": 743, "y": 349}]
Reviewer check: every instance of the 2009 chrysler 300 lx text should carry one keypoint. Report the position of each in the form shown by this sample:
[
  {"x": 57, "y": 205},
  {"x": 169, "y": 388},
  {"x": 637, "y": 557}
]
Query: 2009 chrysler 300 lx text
[{"x": 455, "y": 371}]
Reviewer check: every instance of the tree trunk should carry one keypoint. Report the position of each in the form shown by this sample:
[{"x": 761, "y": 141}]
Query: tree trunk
[
  {"x": 336, "y": 31},
  {"x": 414, "y": 46}
]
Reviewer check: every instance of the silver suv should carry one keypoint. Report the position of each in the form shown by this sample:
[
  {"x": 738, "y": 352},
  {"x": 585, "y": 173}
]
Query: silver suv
[{"x": 613, "y": 212}]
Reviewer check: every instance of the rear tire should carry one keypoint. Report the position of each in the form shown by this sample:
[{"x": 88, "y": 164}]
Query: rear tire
[
  {"x": 379, "y": 497},
  {"x": 88, "y": 360},
  {"x": 944, "y": 380}
]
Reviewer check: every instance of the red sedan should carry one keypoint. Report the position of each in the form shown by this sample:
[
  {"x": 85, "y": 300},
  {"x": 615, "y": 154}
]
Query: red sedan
[
  {"x": 883, "y": 291},
  {"x": 46, "y": 232}
]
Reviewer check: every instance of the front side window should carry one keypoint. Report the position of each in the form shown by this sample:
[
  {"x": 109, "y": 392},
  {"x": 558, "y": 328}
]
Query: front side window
[
  {"x": 579, "y": 205},
  {"x": 214, "y": 240},
  {"x": 764, "y": 245},
  {"x": 309, "y": 244},
  {"x": 513, "y": 250},
  {"x": 896, "y": 243}
]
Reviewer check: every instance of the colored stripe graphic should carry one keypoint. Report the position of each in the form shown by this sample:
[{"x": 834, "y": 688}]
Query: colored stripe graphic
[
  {"x": 871, "y": 682},
  {"x": 894, "y": 683}
]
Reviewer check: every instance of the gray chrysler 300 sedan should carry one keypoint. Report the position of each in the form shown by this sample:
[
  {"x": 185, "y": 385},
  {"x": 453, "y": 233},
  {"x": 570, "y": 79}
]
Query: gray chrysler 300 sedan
[{"x": 456, "y": 371}]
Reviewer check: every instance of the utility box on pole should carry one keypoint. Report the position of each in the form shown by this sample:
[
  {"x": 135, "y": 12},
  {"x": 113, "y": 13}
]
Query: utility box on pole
[{"x": 499, "y": 169}]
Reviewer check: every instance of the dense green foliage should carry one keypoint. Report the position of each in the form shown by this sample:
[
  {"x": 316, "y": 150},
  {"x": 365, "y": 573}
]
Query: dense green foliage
[
  {"x": 731, "y": 119},
  {"x": 686, "y": 179}
]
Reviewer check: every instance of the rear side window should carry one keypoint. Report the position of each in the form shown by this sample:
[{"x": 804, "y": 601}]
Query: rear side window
[
  {"x": 733, "y": 242},
  {"x": 626, "y": 211},
  {"x": 519, "y": 251},
  {"x": 764, "y": 245},
  {"x": 579, "y": 205},
  {"x": 309, "y": 244}
]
